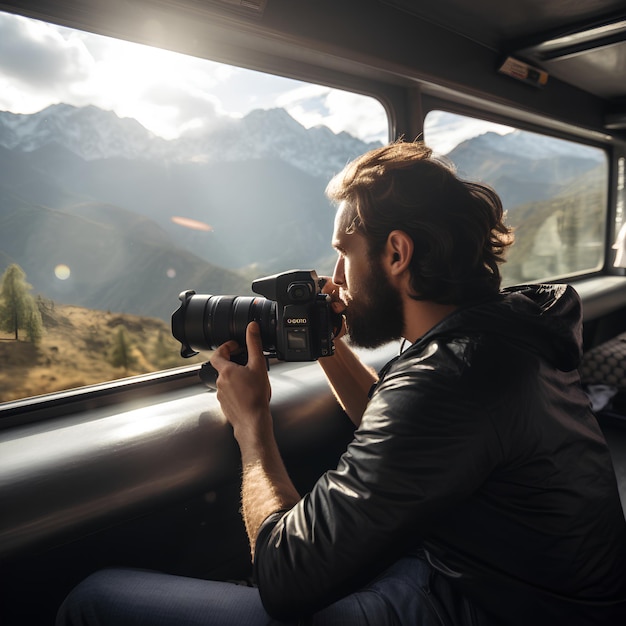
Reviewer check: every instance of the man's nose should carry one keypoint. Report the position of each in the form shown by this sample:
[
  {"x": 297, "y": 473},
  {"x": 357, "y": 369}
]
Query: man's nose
[{"x": 338, "y": 273}]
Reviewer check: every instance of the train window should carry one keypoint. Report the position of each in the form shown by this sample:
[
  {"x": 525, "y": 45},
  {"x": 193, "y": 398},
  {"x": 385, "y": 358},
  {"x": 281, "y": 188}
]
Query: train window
[
  {"x": 554, "y": 192},
  {"x": 129, "y": 174}
]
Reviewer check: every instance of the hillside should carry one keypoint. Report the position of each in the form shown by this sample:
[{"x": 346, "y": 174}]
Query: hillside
[
  {"x": 118, "y": 260},
  {"x": 76, "y": 349},
  {"x": 560, "y": 235}
]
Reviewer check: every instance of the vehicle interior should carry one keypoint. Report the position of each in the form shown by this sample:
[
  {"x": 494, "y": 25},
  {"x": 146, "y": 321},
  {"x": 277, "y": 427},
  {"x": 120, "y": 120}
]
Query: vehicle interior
[{"x": 143, "y": 470}]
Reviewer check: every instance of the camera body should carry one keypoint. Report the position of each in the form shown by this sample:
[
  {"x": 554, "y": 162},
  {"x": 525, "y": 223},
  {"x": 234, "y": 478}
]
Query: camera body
[
  {"x": 295, "y": 318},
  {"x": 304, "y": 328}
]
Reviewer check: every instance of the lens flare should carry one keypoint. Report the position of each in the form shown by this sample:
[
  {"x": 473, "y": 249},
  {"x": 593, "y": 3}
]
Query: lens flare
[
  {"x": 187, "y": 222},
  {"x": 62, "y": 271}
]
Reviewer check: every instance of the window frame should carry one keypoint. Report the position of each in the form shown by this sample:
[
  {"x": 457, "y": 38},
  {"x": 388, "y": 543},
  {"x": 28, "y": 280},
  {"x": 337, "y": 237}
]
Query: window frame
[{"x": 407, "y": 98}]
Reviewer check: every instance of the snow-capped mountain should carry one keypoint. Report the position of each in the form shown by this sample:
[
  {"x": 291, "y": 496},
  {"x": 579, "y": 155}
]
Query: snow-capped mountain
[
  {"x": 92, "y": 133},
  {"x": 531, "y": 146},
  {"x": 89, "y": 132},
  {"x": 524, "y": 167}
]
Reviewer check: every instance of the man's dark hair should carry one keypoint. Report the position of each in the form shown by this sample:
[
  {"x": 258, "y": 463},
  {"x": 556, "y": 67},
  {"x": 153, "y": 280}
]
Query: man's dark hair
[{"x": 457, "y": 227}]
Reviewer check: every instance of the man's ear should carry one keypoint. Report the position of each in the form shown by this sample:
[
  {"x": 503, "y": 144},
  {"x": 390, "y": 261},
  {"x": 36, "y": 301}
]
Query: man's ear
[{"x": 398, "y": 251}]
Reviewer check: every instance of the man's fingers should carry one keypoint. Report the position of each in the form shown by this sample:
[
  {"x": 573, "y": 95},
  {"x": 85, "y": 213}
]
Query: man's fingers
[
  {"x": 328, "y": 287},
  {"x": 338, "y": 306},
  {"x": 221, "y": 356},
  {"x": 326, "y": 284},
  {"x": 254, "y": 344}
]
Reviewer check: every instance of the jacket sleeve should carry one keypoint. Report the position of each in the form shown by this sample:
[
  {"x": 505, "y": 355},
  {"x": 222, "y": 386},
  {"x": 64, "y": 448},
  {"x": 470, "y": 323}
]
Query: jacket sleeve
[{"x": 423, "y": 446}]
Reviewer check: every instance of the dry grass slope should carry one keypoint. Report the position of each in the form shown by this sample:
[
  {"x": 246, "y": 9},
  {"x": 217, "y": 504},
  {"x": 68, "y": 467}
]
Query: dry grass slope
[{"x": 75, "y": 351}]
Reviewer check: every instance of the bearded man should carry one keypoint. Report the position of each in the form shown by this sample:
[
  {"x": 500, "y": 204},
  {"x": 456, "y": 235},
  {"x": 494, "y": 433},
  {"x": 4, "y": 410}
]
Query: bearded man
[{"x": 478, "y": 488}]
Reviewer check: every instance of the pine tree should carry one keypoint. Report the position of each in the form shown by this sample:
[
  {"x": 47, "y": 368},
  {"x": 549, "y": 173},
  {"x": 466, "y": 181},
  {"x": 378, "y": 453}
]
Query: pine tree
[
  {"x": 161, "y": 353},
  {"x": 165, "y": 355},
  {"x": 34, "y": 324},
  {"x": 121, "y": 353},
  {"x": 17, "y": 307}
]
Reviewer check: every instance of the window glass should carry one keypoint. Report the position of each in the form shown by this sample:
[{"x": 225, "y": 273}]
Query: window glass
[
  {"x": 554, "y": 192},
  {"x": 129, "y": 174}
]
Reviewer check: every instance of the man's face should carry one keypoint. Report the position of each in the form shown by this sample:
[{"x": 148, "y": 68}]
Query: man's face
[{"x": 374, "y": 313}]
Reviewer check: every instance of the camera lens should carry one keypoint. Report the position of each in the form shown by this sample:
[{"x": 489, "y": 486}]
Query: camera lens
[{"x": 205, "y": 322}]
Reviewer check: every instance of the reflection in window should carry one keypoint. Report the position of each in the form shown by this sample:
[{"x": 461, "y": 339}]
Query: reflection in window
[
  {"x": 620, "y": 224},
  {"x": 129, "y": 174},
  {"x": 554, "y": 192}
]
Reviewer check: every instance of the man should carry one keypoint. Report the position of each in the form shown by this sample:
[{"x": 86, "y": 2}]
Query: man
[{"x": 478, "y": 488}]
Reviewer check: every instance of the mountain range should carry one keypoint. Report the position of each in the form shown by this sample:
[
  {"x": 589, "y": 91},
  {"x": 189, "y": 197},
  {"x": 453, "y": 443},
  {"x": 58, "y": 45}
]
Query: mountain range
[
  {"x": 94, "y": 134},
  {"x": 106, "y": 198},
  {"x": 137, "y": 218},
  {"x": 524, "y": 167}
]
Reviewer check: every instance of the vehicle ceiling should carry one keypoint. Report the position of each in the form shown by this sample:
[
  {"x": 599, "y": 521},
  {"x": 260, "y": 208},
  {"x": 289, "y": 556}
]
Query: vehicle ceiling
[{"x": 581, "y": 42}]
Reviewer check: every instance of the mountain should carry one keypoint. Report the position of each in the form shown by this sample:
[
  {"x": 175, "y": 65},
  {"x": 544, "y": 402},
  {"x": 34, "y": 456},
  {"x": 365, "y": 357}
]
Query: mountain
[
  {"x": 93, "y": 134},
  {"x": 554, "y": 193},
  {"x": 262, "y": 211},
  {"x": 88, "y": 132},
  {"x": 523, "y": 167},
  {"x": 101, "y": 195},
  {"x": 120, "y": 265},
  {"x": 265, "y": 168}
]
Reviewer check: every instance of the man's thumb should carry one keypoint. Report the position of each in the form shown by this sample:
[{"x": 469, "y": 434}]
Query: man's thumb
[{"x": 254, "y": 342}]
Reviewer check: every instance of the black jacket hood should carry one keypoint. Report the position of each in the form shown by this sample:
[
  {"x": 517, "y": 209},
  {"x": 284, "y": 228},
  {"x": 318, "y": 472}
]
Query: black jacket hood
[{"x": 545, "y": 319}]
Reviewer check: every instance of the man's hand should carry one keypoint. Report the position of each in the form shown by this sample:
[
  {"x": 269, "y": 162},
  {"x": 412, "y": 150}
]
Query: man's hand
[
  {"x": 336, "y": 303},
  {"x": 244, "y": 391}
]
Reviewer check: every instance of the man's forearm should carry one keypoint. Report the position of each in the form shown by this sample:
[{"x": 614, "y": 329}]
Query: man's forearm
[
  {"x": 244, "y": 394},
  {"x": 266, "y": 486},
  {"x": 350, "y": 380}
]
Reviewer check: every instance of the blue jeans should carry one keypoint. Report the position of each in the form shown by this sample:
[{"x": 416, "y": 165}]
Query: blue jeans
[{"x": 403, "y": 594}]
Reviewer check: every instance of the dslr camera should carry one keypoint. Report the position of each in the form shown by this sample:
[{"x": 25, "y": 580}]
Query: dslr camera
[{"x": 295, "y": 318}]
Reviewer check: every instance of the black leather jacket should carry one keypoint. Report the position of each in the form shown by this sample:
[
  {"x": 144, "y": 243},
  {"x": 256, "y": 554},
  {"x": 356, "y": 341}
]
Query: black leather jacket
[{"x": 478, "y": 445}]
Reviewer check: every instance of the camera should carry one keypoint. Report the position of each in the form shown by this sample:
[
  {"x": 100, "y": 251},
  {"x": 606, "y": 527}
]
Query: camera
[{"x": 295, "y": 318}]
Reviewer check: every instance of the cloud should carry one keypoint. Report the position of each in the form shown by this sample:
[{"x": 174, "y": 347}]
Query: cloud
[
  {"x": 35, "y": 54},
  {"x": 168, "y": 93},
  {"x": 443, "y": 131},
  {"x": 175, "y": 110},
  {"x": 38, "y": 64},
  {"x": 42, "y": 63},
  {"x": 315, "y": 105}
]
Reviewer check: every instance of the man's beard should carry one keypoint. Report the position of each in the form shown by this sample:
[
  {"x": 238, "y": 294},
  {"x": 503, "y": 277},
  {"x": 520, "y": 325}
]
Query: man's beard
[{"x": 377, "y": 317}]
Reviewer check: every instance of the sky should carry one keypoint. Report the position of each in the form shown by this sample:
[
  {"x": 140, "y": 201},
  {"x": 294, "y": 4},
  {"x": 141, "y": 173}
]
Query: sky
[{"x": 169, "y": 93}]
